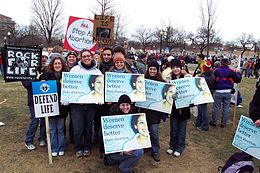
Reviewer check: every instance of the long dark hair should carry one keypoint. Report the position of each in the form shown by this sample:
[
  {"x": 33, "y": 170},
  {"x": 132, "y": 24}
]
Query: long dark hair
[
  {"x": 50, "y": 67},
  {"x": 157, "y": 77}
]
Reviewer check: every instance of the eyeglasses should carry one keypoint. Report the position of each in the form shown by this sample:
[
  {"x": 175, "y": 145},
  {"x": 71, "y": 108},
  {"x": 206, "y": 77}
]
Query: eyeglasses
[
  {"x": 86, "y": 56},
  {"x": 106, "y": 54}
]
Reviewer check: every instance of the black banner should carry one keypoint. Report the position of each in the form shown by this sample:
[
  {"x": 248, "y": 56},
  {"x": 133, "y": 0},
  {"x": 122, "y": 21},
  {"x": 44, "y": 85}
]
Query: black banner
[{"x": 21, "y": 63}]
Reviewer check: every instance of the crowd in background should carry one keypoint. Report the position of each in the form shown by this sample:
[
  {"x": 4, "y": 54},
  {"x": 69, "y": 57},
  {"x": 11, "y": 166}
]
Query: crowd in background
[{"x": 85, "y": 119}]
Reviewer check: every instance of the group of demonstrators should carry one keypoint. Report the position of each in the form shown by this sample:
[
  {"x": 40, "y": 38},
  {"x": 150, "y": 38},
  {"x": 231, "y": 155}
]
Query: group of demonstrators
[
  {"x": 85, "y": 129},
  {"x": 250, "y": 67}
]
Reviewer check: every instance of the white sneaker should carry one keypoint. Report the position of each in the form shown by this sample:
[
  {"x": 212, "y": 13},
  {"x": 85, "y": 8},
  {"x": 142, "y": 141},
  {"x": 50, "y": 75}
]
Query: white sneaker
[
  {"x": 169, "y": 151},
  {"x": 177, "y": 154},
  {"x": 239, "y": 106},
  {"x": 30, "y": 146},
  {"x": 42, "y": 143},
  {"x": 61, "y": 153},
  {"x": 54, "y": 154}
]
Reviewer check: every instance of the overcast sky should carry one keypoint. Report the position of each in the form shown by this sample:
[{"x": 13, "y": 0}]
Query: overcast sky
[{"x": 233, "y": 16}]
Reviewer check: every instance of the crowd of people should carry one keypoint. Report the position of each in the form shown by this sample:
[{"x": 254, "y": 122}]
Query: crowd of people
[{"x": 85, "y": 119}]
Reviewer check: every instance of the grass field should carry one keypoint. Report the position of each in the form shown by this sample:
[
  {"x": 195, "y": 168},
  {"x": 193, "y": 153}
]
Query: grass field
[{"x": 205, "y": 151}]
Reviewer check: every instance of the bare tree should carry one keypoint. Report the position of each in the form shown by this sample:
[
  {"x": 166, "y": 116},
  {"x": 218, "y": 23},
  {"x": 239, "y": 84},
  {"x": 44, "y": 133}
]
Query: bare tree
[
  {"x": 208, "y": 19},
  {"x": 47, "y": 17},
  {"x": 246, "y": 41},
  {"x": 105, "y": 7},
  {"x": 144, "y": 36},
  {"x": 119, "y": 31}
]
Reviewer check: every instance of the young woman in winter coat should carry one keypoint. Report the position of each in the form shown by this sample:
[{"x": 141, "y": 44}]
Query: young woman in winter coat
[
  {"x": 56, "y": 123},
  {"x": 178, "y": 117},
  {"x": 83, "y": 114},
  {"x": 153, "y": 117}
]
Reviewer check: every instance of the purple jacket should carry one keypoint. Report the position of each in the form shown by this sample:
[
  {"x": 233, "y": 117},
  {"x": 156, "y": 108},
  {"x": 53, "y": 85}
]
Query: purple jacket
[{"x": 225, "y": 78}]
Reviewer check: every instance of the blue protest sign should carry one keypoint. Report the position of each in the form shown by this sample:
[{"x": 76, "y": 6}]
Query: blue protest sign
[
  {"x": 82, "y": 88},
  {"x": 247, "y": 137},
  {"x": 159, "y": 96},
  {"x": 45, "y": 98},
  {"x": 117, "y": 84},
  {"x": 125, "y": 132}
]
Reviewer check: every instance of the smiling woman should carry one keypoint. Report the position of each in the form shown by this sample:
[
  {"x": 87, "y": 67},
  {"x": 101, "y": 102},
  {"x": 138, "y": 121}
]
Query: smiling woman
[{"x": 83, "y": 114}]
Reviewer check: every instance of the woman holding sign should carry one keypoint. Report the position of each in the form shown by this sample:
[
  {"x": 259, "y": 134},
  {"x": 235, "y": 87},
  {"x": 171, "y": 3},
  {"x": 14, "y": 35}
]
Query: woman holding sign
[
  {"x": 127, "y": 159},
  {"x": 54, "y": 72},
  {"x": 119, "y": 64},
  {"x": 178, "y": 118},
  {"x": 153, "y": 117},
  {"x": 83, "y": 114}
]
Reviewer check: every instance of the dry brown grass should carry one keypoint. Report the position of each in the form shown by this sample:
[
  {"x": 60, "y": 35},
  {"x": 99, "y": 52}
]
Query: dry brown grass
[{"x": 204, "y": 153}]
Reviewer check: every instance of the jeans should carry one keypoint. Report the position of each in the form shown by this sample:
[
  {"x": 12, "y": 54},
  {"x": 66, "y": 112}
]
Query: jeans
[
  {"x": 82, "y": 120},
  {"x": 126, "y": 162},
  {"x": 220, "y": 98},
  {"x": 256, "y": 72},
  {"x": 202, "y": 118},
  {"x": 154, "y": 136},
  {"x": 177, "y": 134},
  {"x": 30, "y": 133},
  {"x": 57, "y": 136}
]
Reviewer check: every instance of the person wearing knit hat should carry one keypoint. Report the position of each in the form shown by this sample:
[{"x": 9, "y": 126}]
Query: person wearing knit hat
[
  {"x": 124, "y": 99},
  {"x": 202, "y": 122},
  {"x": 119, "y": 64},
  {"x": 71, "y": 60},
  {"x": 176, "y": 63},
  {"x": 125, "y": 160},
  {"x": 206, "y": 66},
  {"x": 153, "y": 117}
]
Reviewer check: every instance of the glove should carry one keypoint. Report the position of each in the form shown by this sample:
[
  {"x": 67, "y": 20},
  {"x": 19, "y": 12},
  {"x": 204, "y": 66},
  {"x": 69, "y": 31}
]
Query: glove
[
  {"x": 65, "y": 103},
  {"x": 192, "y": 105},
  {"x": 175, "y": 96}
]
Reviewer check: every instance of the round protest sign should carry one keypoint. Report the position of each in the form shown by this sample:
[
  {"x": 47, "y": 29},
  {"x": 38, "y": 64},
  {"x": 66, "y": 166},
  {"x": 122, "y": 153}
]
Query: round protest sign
[{"x": 79, "y": 34}]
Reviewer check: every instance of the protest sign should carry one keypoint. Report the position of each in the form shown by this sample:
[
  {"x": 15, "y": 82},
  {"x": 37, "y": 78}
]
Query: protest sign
[
  {"x": 191, "y": 91},
  {"x": 45, "y": 98},
  {"x": 103, "y": 29},
  {"x": 125, "y": 132},
  {"x": 79, "y": 34},
  {"x": 247, "y": 137},
  {"x": 21, "y": 63},
  {"x": 117, "y": 84},
  {"x": 82, "y": 88},
  {"x": 159, "y": 96}
]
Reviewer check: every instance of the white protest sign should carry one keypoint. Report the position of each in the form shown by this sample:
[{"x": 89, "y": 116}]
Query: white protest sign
[{"x": 79, "y": 34}]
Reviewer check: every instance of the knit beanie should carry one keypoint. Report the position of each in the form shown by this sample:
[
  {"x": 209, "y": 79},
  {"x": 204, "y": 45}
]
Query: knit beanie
[
  {"x": 124, "y": 99},
  {"x": 71, "y": 53},
  {"x": 118, "y": 57},
  {"x": 175, "y": 62},
  {"x": 206, "y": 66},
  {"x": 153, "y": 64}
]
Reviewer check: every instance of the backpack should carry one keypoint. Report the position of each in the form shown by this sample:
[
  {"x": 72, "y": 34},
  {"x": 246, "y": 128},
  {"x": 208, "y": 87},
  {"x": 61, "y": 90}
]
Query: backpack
[{"x": 239, "y": 162}]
